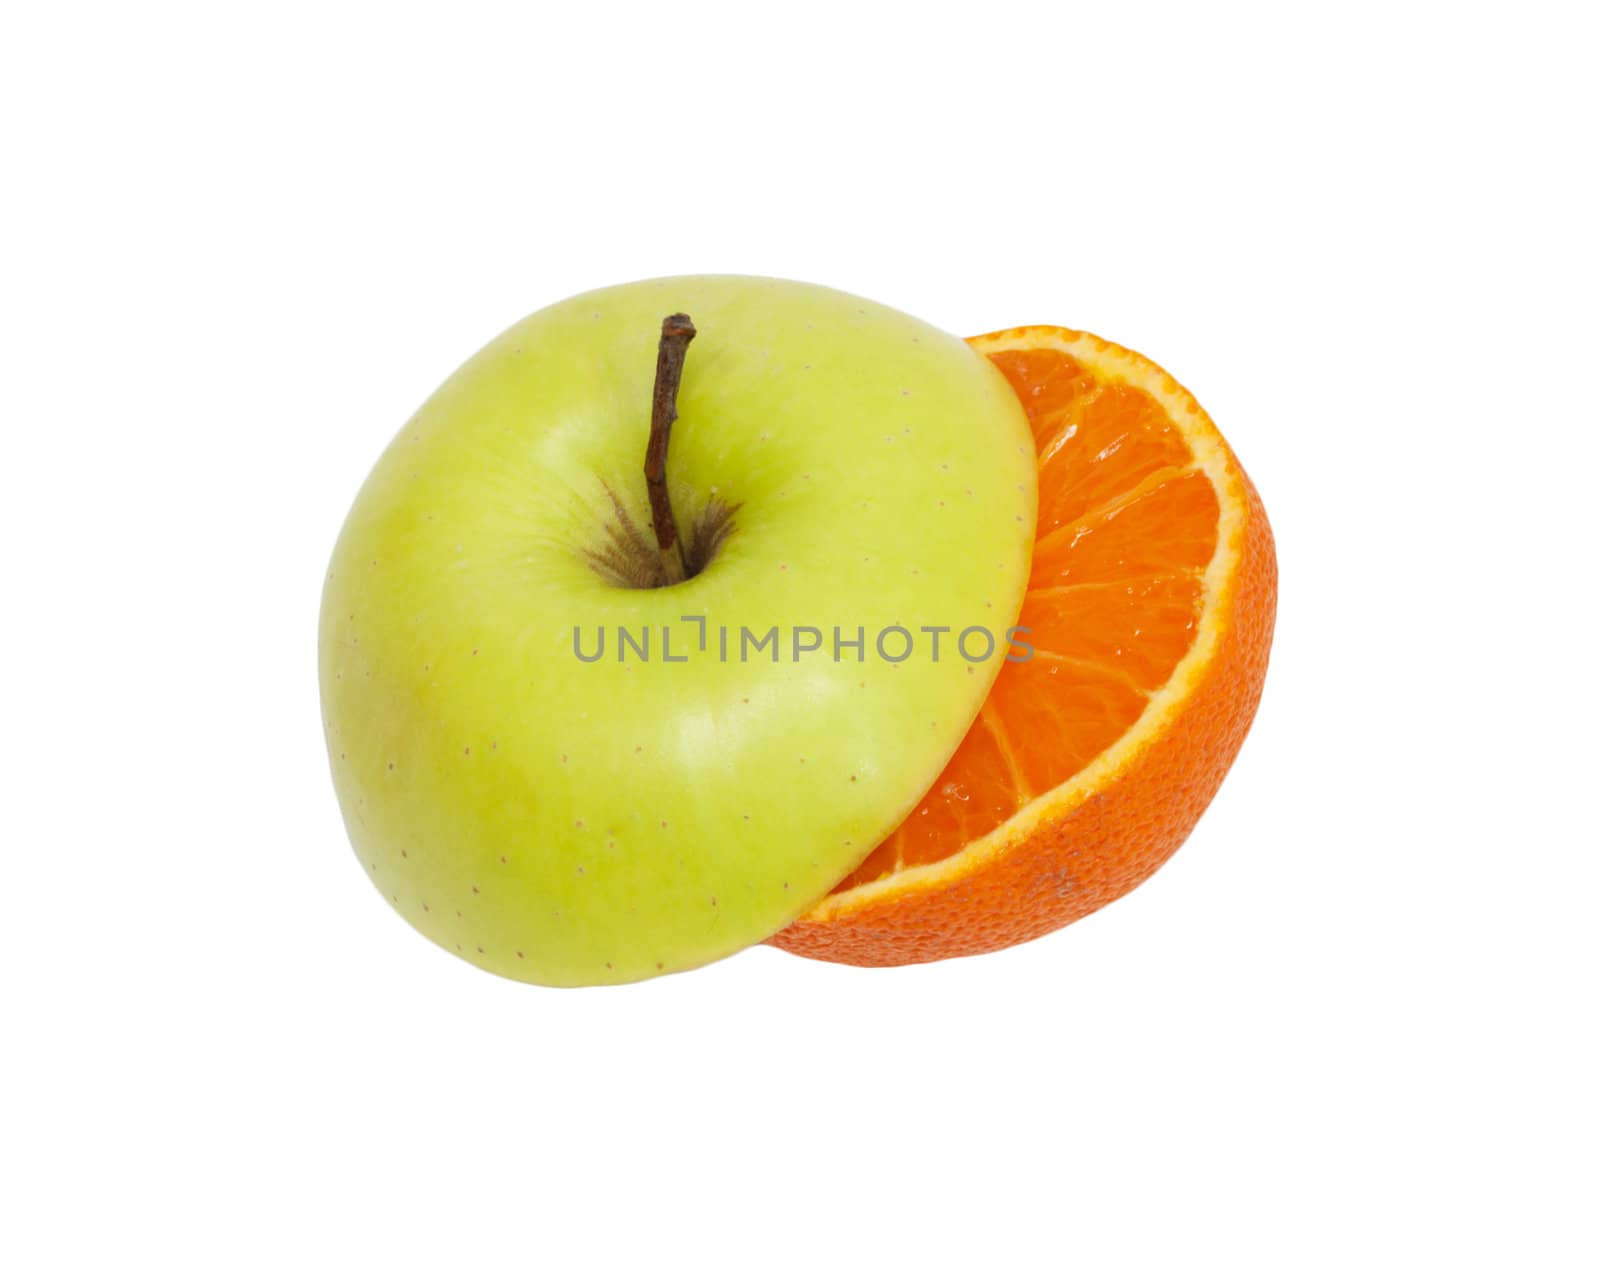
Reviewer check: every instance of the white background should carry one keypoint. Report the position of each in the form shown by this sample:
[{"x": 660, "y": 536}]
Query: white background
[{"x": 1349, "y": 1029}]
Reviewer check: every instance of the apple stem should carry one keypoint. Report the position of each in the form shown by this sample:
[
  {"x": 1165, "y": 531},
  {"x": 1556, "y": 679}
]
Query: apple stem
[{"x": 677, "y": 331}]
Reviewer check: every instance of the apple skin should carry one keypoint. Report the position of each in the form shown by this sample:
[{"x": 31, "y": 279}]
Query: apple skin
[{"x": 572, "y": 823}]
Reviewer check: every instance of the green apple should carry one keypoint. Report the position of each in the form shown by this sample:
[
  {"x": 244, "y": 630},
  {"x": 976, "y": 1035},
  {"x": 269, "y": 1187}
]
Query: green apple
[{"x": 839, "y": 472}]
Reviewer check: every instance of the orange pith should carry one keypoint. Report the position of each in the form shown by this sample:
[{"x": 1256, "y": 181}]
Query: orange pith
[{"x": 1150, "y": 611}]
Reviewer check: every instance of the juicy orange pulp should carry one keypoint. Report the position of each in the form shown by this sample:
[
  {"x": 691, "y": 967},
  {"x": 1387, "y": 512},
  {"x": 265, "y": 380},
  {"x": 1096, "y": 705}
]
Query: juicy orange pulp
[{"x": 1126, "y": 529}]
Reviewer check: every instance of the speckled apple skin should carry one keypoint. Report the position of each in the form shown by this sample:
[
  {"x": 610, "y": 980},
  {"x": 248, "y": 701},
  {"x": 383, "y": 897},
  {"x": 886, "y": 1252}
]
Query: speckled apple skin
[{"x": 574, "y": 823}]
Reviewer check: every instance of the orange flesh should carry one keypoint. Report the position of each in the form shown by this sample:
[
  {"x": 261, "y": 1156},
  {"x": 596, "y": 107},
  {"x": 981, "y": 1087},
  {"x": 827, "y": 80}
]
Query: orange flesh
[{"x": 1127, "y": 526}]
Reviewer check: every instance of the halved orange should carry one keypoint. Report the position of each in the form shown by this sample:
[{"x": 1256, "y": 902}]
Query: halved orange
[{"x": 1150, "y": 613}]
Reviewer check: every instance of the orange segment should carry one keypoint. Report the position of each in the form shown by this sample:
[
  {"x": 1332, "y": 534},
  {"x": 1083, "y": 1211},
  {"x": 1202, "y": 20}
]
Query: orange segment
[
  {"x": 1166, "y": 522},
  {"x": 1149, "y": 615},
  {"x": 979, "y": 788}
]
